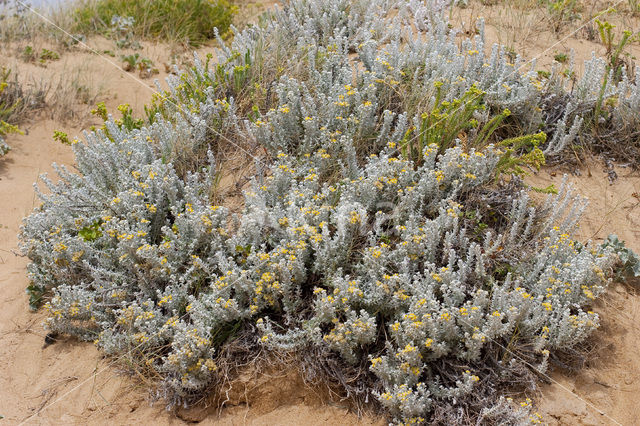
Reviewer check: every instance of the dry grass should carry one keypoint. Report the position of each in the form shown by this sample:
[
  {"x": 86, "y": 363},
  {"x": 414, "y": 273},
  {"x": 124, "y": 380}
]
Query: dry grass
[
  {"x": 71, "y": 95},
  {"x": 26, "y": 25},
  {"x": 18, "y": 101}
]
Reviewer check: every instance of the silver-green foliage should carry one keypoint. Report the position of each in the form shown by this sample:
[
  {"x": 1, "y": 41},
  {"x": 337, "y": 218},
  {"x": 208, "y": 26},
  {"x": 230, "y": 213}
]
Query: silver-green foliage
[
  {"x": 407, "y": 265},
  {"x": 138, "y": 259},
  {"x": 4, "y": 148}
]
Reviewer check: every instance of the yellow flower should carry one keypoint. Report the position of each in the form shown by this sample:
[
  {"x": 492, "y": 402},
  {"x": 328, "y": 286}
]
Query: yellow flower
[
  {"x": 60, "y": 247},
  {"x": 354, "y": 217},
  {"x": 77, "y": 256}
]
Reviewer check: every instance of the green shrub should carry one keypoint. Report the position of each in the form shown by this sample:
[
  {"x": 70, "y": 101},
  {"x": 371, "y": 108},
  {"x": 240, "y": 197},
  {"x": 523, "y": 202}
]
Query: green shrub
[
  {"x": 8, "y": 99},
  {"x": 190, "y": 21},
  {"x": 9, "y": 102},
  {"x": 17, "y": 101},
  {"x": 629, "y": 261}
]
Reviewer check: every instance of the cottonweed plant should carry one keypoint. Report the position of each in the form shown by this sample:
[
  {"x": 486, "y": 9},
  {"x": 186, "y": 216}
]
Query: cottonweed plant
[
  {"x": 384, "y": 265},
  {"x": 386, "y": 228},
  {"x": 4, "y": 148},
  {"x": 382, "y": 65},
  {"x": 347, "y": 60},
  {"x": 407, "y": 55}
]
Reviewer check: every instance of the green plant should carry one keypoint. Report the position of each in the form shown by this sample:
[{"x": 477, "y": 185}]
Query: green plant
[
  {"x": 6, "y": 128},
  {"x": 146, "y": 68},
  {"x": 145, "y": 63},
  {"x": 122, "y": 30},
  {"x": 130, "y": 62},
  {"x": 561, "y": 12},
  {"x": 615, "y": 62},
  {"x": 9, "y": 102},
  {"x": 551, "y": 189},
  {"x": 100, "y": 111},
  {"x": 92, "y": 232},
  {"x": 61, "y": 137},
  {"x": 522, "y": 152},
  {"x": 16, "y": 102},
  {"x": 561, "y": 57},
  {"x": 629, "y": 260},
  {"x": 614, "y": 48},
  {"x": 127, "y": 121},
  {"x": 187, "y": 21},
  {"x": 448, "y": 121},
  {"x": 543, "y": 74},
  {"x": 48, "y": 55},
  {"x": 28, "y": 53},
  {"x": 35, "y": 293}
]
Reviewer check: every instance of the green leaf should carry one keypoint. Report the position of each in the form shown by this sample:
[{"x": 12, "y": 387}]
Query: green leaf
[
  {"x": 92, "y": 232},
  {"x": 551, "y": 189},
  {"x": 630, "y": 261},
  {"x": 35, "y": 293}
]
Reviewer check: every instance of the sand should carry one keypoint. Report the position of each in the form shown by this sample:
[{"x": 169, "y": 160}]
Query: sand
[{"x": 69, "y": 382}]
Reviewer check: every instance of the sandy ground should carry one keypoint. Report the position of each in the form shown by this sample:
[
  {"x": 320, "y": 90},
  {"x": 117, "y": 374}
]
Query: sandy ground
[
  {"x": 524, "y": 27},
  {"x": 70, "y": 382}
]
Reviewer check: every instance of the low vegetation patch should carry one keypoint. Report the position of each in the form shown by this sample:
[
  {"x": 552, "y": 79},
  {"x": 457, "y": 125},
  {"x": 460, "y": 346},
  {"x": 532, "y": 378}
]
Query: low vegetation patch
[
  {"x": 16, "y": 104},
  {"x": 189, "y": 21}
]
